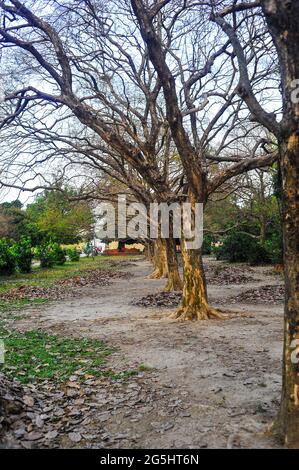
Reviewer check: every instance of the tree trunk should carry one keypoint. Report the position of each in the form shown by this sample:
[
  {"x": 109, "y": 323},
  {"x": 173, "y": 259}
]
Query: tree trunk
[
  {"x": 282, "y": 17},
  {"x": 174, "y": 281},
  {"x": 159, "y": 260},
  {"x": 149, "y": 251},
  {"x": 289, "y": 413},
  {"x": 194, "y": 305}
]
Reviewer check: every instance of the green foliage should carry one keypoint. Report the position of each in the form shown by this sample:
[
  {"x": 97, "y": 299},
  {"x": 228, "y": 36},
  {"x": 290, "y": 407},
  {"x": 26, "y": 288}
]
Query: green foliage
[
  {"x": 45, "y": 254},
  {"x": 7, "y": 258},
  {"x": 16, "y": 223},
  {"x": 59, "y": 254},
  {"x": 274, "y": 247},
  {"x": 208, "y": 239},
  {"x": 59, "y": 219},
  {"x": 242, "y": 247},
  {"x": 50, "y": 254},
  {"x": 258, "y": 254},
  {"x": 73, "y": 254},
  {"x": 23, "y": 254}
]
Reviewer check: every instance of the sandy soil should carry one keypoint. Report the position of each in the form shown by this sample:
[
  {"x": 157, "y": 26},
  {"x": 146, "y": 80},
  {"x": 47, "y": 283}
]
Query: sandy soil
[{"x": 207, "y": 384}]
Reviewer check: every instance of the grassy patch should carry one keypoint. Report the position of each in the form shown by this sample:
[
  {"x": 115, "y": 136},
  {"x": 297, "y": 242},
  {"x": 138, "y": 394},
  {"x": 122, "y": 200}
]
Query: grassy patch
[
  {"x": 35, "y": 355},
  {"x": 48, "y": 277},
  {"x": 14, "y": 305}
]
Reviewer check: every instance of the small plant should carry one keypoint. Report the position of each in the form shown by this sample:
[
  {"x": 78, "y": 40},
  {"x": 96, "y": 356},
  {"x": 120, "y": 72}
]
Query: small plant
[
  {"x": 7, "y": 258},
  {"x": 73, "y": 254},
  {"x": 46, "y": 255},
  {"x": 23, "y": 255},
  {"x": 50, "y": 254},
  {"x": 59, "y": 254}
]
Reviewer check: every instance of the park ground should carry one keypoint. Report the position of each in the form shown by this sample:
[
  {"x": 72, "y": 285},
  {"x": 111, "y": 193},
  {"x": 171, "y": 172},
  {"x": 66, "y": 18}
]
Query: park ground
[{"x": 145, "y": 381}]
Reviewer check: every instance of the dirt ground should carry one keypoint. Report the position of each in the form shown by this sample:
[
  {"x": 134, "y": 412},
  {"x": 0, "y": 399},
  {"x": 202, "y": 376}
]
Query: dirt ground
[{"x": 211, "y": 384}]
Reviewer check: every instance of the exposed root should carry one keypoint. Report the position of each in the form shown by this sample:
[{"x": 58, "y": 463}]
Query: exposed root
[
  {"x": 193, "y": 314},
  {"x": 157, "y": 274}
]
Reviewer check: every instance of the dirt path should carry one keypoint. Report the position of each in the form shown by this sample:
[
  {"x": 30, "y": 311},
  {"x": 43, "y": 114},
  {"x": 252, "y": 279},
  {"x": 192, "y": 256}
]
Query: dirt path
[{"x": 206, "y": 384}]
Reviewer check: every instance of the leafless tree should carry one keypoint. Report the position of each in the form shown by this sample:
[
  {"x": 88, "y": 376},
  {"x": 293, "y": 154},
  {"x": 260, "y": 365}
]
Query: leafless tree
[
  {"x": 132, "y": 91},
  {"x": 281, "y": 18}
]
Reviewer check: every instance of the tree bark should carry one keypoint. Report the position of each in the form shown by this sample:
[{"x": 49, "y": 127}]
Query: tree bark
[
  {"x": 159, "y": 260},
  {"x": 194, "y": 304},
  {"x": 149, "y": 251},
  {"x": 283, "y": 21},
  {"x": 174, "y": 281},
  {"x": 289, "y": 412}
]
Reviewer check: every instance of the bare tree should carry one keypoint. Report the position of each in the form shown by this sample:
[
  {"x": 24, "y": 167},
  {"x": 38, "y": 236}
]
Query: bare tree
[
  {"x": 282, "y": 20},
  {"x": 88, "y": 59},
  {"x": 193, "y": 153}
]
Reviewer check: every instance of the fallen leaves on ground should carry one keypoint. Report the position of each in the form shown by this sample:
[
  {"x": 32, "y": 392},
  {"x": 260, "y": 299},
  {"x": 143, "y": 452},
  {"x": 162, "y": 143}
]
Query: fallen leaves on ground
[
  {"x": 64, "y": 288},
  {"x": 45, "y": 416},
  {"x": 219, "y": 274},
  {"x": 160, "y": 299},
  {"x": 95, "y": 277},
  {"x": 271, "y": 294}
]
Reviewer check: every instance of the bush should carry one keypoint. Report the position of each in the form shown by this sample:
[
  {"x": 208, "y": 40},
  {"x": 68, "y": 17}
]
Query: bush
[
  {"x": 59, "y": 254},
  {"x": 73, "y": 254},
  {"x": 207, "y": 244},
  {"x": 7, "y": 258},
  {"x": 274, "y": 247},
  {"x": 50, "y": 254},
  {"x": 258, "y": 255},
  {"x": 241, "y": 247},
  {"x": 23, "y": 255},
  {"x": 46, "y": 255}
]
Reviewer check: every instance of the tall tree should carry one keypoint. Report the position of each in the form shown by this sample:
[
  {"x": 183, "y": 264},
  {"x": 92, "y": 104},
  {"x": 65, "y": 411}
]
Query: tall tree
[
  {"x": 95, "y": 66},
  {"x": 194, "y": 154},
  {"x": 282, "y": 20}
]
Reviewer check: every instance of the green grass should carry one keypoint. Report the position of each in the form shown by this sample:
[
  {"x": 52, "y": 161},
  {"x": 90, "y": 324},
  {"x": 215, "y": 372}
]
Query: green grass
[{"x": 35, "y": 356}]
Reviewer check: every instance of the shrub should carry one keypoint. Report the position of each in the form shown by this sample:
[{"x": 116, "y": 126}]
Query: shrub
[
  {"x": 258, "y": 254},
  {"x": 46, "y": 255},
  {"x": 23, "y": 255},
  {"x": 59, "y": 254},
  {"x": 274, "y": 247},
  {"x": 50, "y": 254},
  {"x": 73, "y": 254},
  {"x": 7, "y": 258},
  {"x": 207, "y": 244},
  {"x": 241, "y": 247}
]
